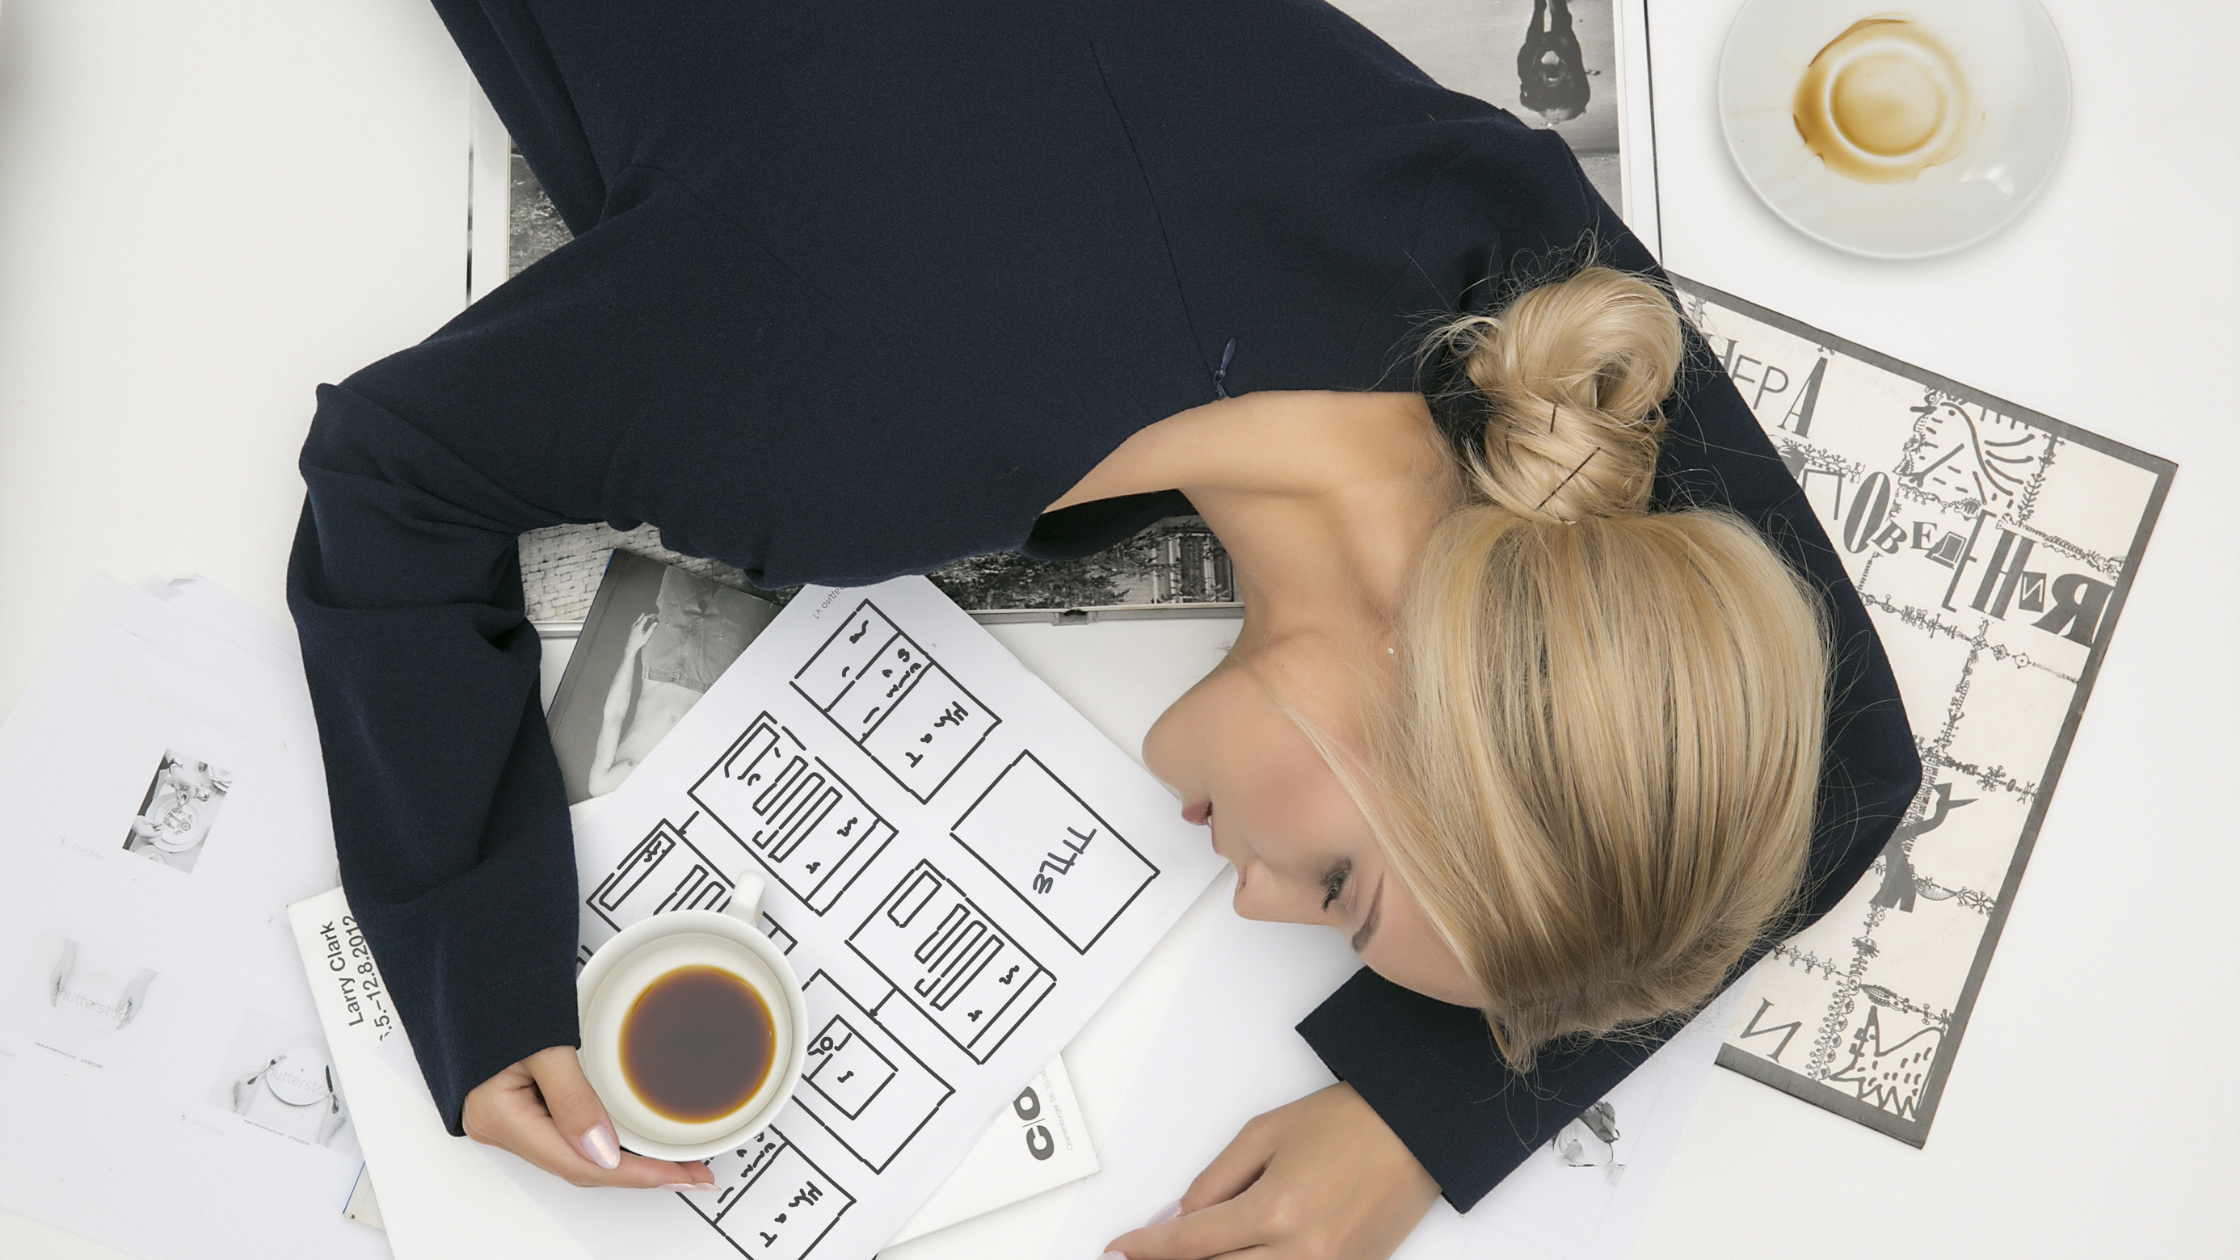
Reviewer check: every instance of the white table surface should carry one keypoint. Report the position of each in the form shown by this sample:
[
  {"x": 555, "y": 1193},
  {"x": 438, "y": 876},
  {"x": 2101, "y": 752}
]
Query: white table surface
[{"x": 207, "y": 209}]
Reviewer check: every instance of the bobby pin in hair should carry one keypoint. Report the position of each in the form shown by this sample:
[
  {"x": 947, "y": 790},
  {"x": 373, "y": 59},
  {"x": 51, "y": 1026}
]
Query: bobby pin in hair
[
  {"x": 1567, "y": 480},
  {"x": 1552, "y": 419}
]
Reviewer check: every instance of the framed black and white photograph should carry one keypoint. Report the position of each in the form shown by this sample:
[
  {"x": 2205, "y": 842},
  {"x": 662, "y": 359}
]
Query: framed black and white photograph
[{"x": 655, "y": 638}]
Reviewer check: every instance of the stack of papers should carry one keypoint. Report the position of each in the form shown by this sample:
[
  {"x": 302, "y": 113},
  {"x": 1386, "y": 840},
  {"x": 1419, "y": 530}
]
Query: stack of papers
[
  {"x": 176, "y": 1087},
  {"x": 166, "y": 1085},
  {"x": 961, "y": 869}
]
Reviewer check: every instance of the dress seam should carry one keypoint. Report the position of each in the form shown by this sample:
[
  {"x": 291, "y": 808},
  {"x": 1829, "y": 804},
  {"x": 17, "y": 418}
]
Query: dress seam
[{"x": 1151, "y": 196}]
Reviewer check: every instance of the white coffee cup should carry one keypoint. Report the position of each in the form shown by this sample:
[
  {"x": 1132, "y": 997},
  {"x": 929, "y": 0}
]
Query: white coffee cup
[{"x": 622, "y": 969}]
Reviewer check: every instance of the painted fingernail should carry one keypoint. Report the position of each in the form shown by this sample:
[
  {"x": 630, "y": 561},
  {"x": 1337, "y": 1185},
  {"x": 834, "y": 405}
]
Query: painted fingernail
[
  {"x": 1112, "y": 1255},
  {"x": 681, "y": 1186},
  {"x": 1165, "y": 1214},
  {"x": 599, "y": 1146}
]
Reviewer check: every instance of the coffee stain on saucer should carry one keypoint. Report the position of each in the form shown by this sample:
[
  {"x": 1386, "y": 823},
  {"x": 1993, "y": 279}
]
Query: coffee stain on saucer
[{"x": 1883, "y": 102}]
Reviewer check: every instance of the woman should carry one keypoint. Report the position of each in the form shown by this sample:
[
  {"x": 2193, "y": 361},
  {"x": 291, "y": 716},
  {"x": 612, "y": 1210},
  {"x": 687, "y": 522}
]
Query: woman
[{"x": 860, "y": 289}]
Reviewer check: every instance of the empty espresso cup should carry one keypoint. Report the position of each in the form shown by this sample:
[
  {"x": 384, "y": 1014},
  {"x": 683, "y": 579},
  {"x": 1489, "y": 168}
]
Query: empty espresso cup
[{"x": 694, "y": 1028}]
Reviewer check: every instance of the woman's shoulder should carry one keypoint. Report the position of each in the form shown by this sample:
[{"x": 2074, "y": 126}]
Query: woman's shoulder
[{"x": 1275, "y": 442}]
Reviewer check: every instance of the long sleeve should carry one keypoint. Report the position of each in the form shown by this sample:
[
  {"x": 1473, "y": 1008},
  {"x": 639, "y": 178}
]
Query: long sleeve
[
  {"x": 1430, "y": 1069},
  {"x": 662, "y": 367},
  {"x": 450, "y": 821},
  {"x": 421, "y": 470}
]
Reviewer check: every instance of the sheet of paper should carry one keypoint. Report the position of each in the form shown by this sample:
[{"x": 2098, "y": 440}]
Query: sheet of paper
[
  {"x": 1582, "y": 1196},
  {"x": 162, "y": 1068},
  {"x": 960, "y": 869},
  {"x": 452, "y": 1200},
  {"x": 1001, "y": 1168},
  {"x": 1037, "y": 1142}
]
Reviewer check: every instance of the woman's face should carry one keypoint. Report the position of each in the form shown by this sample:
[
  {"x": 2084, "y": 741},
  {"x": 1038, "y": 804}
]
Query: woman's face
[{"x": 1302, "y": 850}]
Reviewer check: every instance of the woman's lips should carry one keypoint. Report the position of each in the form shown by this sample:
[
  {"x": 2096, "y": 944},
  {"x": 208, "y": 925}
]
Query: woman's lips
[{"x": 1196, "y": 815}]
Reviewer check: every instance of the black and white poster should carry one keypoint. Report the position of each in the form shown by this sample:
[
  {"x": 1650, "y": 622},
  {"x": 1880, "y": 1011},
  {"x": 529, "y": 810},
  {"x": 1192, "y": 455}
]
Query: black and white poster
[{"x": 1994, "y": 547}]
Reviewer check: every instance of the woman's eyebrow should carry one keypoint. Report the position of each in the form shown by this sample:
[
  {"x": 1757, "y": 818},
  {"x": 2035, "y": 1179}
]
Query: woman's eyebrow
[{"x": 1369, "y": 921}]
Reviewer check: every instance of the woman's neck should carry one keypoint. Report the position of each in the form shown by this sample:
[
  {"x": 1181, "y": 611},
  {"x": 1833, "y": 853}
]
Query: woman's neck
[{"x": 1323, "y": 500}]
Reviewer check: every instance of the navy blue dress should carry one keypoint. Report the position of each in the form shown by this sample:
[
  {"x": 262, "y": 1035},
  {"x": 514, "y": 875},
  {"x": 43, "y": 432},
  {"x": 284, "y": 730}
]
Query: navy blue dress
[{"x": 857, "y": 288}]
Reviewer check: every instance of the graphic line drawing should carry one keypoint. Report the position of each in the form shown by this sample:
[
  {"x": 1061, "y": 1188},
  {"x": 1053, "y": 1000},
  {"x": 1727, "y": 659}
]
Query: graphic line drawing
[
  {"x": 774, "y": 1203},
  {"x": 777, "y": 933},
  {"x": 951, "y": 961},
  {"x": 863, "y": 1083},
  {"x": 792, "y": 812},
  {"x": 1993, "y": 548},
  {"x": 894, "y": 700},
  {"x": 664, "y": 872},
  {"x": 1044, "y": 842}
]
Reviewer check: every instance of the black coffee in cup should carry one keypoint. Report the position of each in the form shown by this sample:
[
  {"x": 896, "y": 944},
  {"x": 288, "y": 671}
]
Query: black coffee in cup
[{"x": 696, "y": 1044}]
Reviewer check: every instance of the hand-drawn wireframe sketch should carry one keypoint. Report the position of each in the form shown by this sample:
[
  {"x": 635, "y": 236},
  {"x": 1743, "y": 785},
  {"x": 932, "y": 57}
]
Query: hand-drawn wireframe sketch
[
  {"x": 1045, "y": 843},
  {"x": 775, "y": 1204},
  {"x": 1591, "y": 1141},
  {"x": 951, "y": 961},
  {"x": 793, "y": 812},
  {"x": 178, "y": 811},
  {"x": 664, "y": 872},
  {"x": 1993, "y": 547},
  {"x": 96, "y": 1001},
  {"x": 863, "y": 1083},
  {"x": 886, "y": 693},
  {"x": 776, "y": 932},
  {"x": 930, "y": 993}
]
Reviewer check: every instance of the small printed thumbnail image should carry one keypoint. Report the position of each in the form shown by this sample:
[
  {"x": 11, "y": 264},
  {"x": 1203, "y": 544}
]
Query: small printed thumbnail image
[
  {"x": 1591, "y": 1141},
  {"x": 92, "y": 993},
  {"x": 279, "y": 1077},
  {"x": 93, "y": 990},
  {"x": 176, "y": 815}
]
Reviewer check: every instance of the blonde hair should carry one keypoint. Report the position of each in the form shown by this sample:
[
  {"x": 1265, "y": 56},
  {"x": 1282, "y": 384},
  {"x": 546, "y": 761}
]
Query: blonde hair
[{"x": 1597, "y": 769}]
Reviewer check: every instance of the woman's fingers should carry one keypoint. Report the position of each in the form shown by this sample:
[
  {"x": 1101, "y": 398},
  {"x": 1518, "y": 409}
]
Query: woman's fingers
[
  {"x": 544, "y": 1111},
  {"x": 576, "y": 1110},
  {"x": 1237, "y": 1166},
  {"x": 1322, "y": 1178},
  {"x": 1234, "y": 1228}
]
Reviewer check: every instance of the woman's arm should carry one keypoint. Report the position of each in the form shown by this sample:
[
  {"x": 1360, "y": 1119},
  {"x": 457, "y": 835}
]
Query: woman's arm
[
  {"x": 451, "y": 823},
  {"x": 605, "y": 776}
]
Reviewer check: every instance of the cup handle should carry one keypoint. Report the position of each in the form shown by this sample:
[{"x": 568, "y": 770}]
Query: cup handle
[{"x": 746, "y": 896}]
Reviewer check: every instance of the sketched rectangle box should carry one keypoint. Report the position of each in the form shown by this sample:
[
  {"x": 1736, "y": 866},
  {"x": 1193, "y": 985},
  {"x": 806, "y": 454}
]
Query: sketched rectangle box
[
  {"x": 793, "y": 812},
  {"x": 951, "y": 961},
  {"x": 772, "y": 1203},
  {"x": 665, "y": 871},
  {"x": 863, "y": 1083},
  {"x": 888, "y": 694},
  {"x": 1045, "y": 843}
]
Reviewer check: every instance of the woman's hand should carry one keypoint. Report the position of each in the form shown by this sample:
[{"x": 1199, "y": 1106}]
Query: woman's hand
[
  {"x": 544, "y": 1111},
  {"x": 640, "y": 630},
  {"x": 1320, "y": 1179}
]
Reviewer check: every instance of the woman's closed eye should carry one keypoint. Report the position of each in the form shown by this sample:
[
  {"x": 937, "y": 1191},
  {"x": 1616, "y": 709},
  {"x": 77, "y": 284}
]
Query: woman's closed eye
[{"x": 1334, "y": 882}]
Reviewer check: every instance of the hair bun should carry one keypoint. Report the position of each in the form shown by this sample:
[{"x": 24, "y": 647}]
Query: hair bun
[{"x": 1573, "y": 375}]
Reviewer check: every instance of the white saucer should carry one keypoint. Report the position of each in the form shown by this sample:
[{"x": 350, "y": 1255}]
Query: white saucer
[{"x": 2018, "y": 120}]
